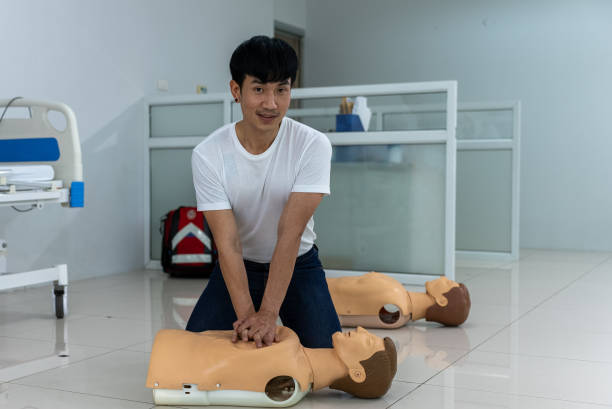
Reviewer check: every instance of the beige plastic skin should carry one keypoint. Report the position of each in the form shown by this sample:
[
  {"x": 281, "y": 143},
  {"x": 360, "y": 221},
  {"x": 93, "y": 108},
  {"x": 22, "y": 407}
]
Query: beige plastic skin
[
  {"x": 212, "y": 362},
  {"x": 359, "y": 299},
  {"x": 367, "y": 294}
]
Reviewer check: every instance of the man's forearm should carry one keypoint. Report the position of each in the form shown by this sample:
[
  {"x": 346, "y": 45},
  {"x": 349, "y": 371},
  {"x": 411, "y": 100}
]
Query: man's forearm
[
  {"x": 281, "y": 271},
  {"x": 234, "y": 275}
]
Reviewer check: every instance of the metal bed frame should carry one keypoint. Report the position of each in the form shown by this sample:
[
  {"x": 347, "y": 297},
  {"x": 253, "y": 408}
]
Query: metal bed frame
[{"x": 34, "y": 140}]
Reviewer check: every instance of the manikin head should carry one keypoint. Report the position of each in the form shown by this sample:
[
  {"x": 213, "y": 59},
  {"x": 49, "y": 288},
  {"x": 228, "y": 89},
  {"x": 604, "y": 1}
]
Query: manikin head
[
  {"x": 263, "y": 70},
  {"x": 371, "y": 363}
]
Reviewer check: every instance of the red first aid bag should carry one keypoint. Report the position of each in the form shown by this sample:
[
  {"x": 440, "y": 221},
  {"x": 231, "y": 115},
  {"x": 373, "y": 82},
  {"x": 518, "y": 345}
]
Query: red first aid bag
[{"x": 188, "y": 248}]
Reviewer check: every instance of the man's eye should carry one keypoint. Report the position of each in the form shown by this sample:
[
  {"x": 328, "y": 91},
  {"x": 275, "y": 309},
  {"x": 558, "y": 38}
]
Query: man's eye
[{"x": 258, "y": 89}]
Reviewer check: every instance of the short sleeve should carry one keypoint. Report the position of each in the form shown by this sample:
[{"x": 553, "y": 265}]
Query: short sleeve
[
  {"x": 210, "y": 194},
  {"x": 314, "y": 167}
]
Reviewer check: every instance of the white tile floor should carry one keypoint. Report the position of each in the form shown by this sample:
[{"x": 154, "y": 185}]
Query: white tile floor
[{"x": 539, "y": 336}]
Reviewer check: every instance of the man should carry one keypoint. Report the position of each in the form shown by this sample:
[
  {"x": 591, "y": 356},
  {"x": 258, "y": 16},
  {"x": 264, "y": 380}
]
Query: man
[{"x": 258, "y": 182}]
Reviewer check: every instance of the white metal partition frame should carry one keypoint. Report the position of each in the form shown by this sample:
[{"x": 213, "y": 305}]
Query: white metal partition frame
[
  {"x": 513, "y": 145},
  {"x": 445, "y": 137},
  {"x": 171, "y": 142}
]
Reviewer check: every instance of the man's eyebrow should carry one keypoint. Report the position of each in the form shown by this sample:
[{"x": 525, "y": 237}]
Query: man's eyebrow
[{"x": 260, "y": 82}]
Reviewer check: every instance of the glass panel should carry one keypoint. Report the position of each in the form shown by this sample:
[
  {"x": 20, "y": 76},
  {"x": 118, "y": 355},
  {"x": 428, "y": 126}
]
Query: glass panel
[
  {"x": 236, "y": 112},
  {"x": 484, "y": 200},
  {"x": 171, "y": 187},
  {"x": 386, "y": 211},
  {"x": 491, "y": 124},
  {"x": 186, "y": 119},
  {"x": 414, "y": 121},
  {"x": 389, "y": 112}
]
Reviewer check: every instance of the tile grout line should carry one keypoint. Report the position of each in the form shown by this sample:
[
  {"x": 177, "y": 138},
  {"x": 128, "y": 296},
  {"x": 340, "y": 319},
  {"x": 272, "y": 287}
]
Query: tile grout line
[
  {"x": 405, "y": 395},
  {"x": 512, "y": 322},
  {"x": 15, "y": 381},
  {"x": 78, "y": 345},
  {"x": 79, "y": 393},
  {"x": 548, "y": 357},
  {"x": 522, "y": 395}
]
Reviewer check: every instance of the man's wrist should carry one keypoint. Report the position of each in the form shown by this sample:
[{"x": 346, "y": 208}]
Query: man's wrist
[
  {"x": 269, "y": 310},
  {"x": 245, "y": 312}
]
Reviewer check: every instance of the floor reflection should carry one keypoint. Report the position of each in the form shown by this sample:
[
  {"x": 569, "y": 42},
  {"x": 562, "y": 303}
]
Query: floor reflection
[{"x": 59, "y": 355}]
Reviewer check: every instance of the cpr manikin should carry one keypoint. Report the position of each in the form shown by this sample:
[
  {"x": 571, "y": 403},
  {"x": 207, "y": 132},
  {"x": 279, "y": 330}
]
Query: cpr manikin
[
  {"x": 207, "y": 368},
  {"x": 361, "y": 301}
]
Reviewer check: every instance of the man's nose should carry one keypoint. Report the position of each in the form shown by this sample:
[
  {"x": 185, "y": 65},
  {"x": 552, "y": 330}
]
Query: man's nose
[{"x": 270, "y": 100}]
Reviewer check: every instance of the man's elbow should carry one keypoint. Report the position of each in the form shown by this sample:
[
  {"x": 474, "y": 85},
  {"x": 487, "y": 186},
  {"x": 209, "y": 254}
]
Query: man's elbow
[
  {"x": 229, "y": 245},
  {"x": 290, "y": 233}
]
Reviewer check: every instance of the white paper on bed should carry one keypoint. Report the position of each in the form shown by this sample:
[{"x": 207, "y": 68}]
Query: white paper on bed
[{"x": 27, "y": 173}]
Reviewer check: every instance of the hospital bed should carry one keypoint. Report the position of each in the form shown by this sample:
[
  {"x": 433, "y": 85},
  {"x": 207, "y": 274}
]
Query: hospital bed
[{"x": 39, "y": 164}]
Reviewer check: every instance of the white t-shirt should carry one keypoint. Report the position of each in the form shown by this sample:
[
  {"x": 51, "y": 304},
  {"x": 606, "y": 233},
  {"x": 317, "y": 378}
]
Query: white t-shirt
[{"x": 257, "y": 187}]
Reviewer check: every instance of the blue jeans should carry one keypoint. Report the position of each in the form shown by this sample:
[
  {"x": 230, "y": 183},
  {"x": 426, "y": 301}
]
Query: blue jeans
[{"x": 307, "y": 309}]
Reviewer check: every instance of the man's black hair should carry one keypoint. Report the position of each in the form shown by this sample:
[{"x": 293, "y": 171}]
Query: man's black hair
[{"x": 267, "y": 59}]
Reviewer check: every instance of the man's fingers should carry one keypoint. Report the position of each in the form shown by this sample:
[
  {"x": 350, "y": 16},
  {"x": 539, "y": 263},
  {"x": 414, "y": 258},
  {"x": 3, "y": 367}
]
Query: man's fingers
[
  {"x": 245, "y": 326},
  {"x": 257, "y": 339},
  {"x": 234, "y": 336},
  {"x": 237, "y": 323},
  {"x": 254, "y": 330},
  {"x": 269, "y": 338},
  {"x": 244, "y": 334}
]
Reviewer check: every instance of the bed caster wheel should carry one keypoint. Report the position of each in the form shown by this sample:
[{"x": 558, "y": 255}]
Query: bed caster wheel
[{"x": 60, "y": 301}]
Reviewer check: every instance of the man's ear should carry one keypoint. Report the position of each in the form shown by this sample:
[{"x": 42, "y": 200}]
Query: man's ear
[{"x": 234, "y": 89}]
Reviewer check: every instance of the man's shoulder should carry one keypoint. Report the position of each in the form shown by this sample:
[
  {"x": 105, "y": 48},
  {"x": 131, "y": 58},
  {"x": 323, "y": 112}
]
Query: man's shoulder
[
  {"x": 304, "y": 133},
  {"x": 210, "y": 145}
]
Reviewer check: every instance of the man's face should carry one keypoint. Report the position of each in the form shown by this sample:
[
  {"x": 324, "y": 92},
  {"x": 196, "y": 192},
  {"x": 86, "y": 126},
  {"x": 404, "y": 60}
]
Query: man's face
[{"x": 263, "y": 105}]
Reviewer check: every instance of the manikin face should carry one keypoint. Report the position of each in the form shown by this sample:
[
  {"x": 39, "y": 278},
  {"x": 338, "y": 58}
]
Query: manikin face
[
  {"x": 438, "y": 287},
  {"x": 263, "y": 105},
  {"x": 357, "y": 345}
]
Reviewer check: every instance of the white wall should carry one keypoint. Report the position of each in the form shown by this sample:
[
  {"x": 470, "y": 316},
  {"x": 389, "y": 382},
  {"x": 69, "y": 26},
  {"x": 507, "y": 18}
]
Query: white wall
[
  {"x": 102, "y": 58},
  {"x": 555, "y": 56},
  {"x": 291, "y": 12}
]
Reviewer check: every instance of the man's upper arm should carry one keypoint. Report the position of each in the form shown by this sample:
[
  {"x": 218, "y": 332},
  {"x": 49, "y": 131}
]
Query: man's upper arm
[
  {"x": 224, "y": 229},
  {"x": 210, "y": 194},
  {"x": 299, "y": 209},
  {"x": 314, "y": 167}
]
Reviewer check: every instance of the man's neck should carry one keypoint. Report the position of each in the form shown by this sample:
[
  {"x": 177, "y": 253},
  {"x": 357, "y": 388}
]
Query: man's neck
[
  {"x": 326, "y": 366},
  {"x": 254, "y": 140}
]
